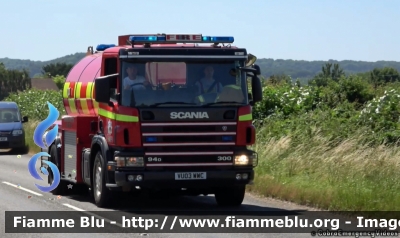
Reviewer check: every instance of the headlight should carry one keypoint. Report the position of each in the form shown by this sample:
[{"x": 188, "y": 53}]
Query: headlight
[
  {"x": 134, "y": 161},
  {"x": 17, "y": 132},
  {"x": 246, "y": 160},
  {"x": 242, "y": 160},
  {"x": 129, "y": 161}
]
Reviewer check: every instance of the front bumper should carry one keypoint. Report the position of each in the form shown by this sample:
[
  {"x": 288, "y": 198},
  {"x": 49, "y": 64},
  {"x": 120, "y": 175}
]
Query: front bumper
[
  {"x": 166, "y": 179},
  {"x": 10, "y": 141}
]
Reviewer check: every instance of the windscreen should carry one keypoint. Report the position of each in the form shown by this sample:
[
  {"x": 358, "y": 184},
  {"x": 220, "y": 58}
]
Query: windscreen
[
  {"x": 9, "y": 115},
  {"x": 192, "y": 83}
]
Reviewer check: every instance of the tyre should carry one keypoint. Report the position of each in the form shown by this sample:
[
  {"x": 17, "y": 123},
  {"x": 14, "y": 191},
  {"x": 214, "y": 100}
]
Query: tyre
[
  {"x": 232, "y": 196},
  {"x": 60, "y": 189},
  {"x": 101, "y": 194}
]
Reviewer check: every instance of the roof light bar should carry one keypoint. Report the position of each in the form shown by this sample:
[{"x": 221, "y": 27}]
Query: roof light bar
[
  {"x": 103, "y": 47},
  {"x": 165, "y": 38}
]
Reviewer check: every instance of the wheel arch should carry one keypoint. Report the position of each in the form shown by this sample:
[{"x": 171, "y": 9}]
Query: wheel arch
[{"x": 99, "y": 144}]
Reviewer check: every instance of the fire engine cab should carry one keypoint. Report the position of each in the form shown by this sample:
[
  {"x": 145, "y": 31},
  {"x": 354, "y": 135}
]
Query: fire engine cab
[{"x": 160, "y": 112}]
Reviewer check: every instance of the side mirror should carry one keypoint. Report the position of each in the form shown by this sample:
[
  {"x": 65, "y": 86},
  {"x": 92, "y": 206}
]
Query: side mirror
[
  {"x": 254, "y": 69},
  {"x": 256, "y": 89},
  {"x": 102, "y": 87},
  {"x": 24, "y": 119},
  {"x": 251, "y": 60},
  {"x": 248, "y": 69},
  {"x": 257, "y": 68}
]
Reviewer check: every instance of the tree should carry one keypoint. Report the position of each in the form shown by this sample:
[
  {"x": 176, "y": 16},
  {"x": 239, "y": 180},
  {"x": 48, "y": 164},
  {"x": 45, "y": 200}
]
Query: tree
[
  {"x": 328, "y": 73},
  {"x": 13, "y": 81},
  {"x": 334, "y": 73},
  {"x": 52, "y": 70},
  {"x": 59, "y": 80},
  {"x": 384, "y": 75}
]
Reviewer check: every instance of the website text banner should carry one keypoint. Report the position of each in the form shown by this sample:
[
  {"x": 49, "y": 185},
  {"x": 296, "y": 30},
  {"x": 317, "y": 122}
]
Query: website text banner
[{"x": 314, "y": 223}]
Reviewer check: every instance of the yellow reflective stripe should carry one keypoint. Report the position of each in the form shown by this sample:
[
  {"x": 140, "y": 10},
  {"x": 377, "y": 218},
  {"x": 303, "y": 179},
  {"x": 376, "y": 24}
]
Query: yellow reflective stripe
[
  {"x": 89, "y": 90},
  {"x": 84, "y": 105},
  {"x": 117, "y": 117},
  {"x": 78, "y": 87},
  {"x": 107, "y": 114},
  {"x": 233, "y": 86},
  {"x": 95, "y": 104},
  {"x": 65, "y": 90},
  {"x": 126, "y": 118},
  {"x": 71, "y": 103},
  {"x": 247, "y": 117}
]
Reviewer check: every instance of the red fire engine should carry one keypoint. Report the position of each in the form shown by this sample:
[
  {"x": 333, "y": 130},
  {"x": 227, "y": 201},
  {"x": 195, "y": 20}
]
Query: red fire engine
[{"x": 160, "y": 112}]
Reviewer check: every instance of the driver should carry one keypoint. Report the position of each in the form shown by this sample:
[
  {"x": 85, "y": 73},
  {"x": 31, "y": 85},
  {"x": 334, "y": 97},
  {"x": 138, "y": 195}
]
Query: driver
[
  {"x": 134, "y": 81},
  {"x": 208, "y": 83}
]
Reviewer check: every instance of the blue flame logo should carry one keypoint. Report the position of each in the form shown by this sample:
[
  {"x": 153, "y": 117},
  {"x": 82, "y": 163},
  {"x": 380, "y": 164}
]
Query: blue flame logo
[{"x": 38, "y": 139}]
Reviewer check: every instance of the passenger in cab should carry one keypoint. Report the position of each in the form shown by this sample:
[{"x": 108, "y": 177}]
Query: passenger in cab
[{"x": 208, "y": 84}]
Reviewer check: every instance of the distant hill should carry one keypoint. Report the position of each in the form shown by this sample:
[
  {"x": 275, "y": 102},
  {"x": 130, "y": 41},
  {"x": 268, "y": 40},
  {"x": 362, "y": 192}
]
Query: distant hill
[
  {"x": 35, "y": 67},
  {"x": 308, "y": 69},
  {"x": 295, "y": 68}
]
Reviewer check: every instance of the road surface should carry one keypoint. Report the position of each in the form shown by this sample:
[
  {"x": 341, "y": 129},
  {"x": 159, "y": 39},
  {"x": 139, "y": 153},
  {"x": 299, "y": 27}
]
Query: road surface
[{"x": 19, "y": 193}]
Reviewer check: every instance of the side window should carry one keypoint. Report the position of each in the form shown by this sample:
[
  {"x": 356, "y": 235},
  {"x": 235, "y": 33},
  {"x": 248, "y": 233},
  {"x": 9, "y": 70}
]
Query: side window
[{"x": 110, "y": 67}]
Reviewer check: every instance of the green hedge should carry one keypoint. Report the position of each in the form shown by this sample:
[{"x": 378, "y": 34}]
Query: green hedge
[
  {"x": 338, "y": 109},
  {"x": 33, "y": 103}
]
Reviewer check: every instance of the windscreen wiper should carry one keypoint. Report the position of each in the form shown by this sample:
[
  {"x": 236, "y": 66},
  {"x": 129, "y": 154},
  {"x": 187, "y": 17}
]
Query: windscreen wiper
[
  {"x": 216, "y": 103},
  {"x": 165, "y": 103}
]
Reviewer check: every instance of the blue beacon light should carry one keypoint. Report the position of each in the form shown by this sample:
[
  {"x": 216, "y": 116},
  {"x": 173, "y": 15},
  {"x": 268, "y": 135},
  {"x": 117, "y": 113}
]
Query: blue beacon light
[
  {"x": 147, "y": 38},
  {"x": 218, "y": 39},
  {"x": 103, "y": 47}
]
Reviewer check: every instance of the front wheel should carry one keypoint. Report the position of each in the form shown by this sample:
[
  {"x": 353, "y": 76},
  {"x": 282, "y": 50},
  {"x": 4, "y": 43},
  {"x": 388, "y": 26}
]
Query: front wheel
[
  {"x": 232, "y": 196},
  {"x": 101, "y": 194}
]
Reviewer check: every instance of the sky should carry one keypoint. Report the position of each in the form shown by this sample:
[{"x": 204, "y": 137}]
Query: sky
[{"x": 362, "y": 30}]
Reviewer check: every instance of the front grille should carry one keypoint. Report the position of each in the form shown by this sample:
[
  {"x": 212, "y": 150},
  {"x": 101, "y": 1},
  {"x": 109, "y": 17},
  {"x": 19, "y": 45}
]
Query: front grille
[
  {"x": 187, "y": 129},
  {"x": 3, "y": 133},
  {"x": 190, "y": 128},
  {"x": 188, "y": 138},
  {"x": 188, "y": 148},
  {"x": 172, "y": 145}
]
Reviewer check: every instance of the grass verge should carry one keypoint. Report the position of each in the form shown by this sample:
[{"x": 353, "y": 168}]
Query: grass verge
[
  {"x": 30, "y": 127},
  {"x": 337, "y": 177},
  {"x": 341, "y": 177}
]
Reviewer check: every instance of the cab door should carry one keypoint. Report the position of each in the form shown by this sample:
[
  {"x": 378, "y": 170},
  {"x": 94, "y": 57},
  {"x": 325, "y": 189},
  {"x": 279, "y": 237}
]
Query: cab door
[{"x": 106, "y": 112}]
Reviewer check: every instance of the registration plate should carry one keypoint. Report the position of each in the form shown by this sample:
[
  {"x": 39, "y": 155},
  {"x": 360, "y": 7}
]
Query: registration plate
[
  {"x": 3, "y": 138},
  {"x": 190, "y": 176}
]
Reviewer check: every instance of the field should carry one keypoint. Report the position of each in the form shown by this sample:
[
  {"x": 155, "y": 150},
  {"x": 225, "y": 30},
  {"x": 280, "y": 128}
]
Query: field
[{"x": 333, "y": 147}]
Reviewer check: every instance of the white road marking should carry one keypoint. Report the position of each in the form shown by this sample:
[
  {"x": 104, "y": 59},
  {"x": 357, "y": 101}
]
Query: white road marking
[
  {"x": 22, "y": 188},
  {"x": 89, "y": 213},
  {"x": 73, "y": 207}
]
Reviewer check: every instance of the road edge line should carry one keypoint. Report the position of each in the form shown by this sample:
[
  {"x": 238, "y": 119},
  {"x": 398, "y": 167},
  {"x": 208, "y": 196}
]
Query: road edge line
[
  {"x": 22, "y": 188},
  {"x": 89, "y": 213}
]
